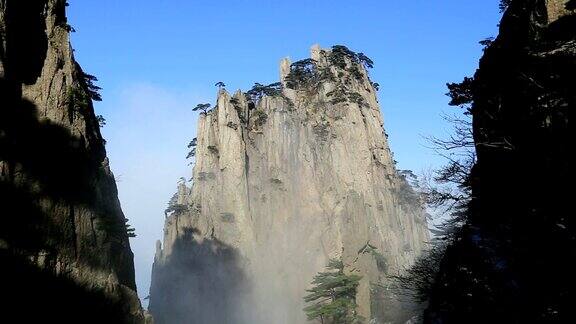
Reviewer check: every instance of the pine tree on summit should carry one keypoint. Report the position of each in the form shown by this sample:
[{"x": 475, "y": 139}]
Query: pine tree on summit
[{"x": 333, "y": 296}]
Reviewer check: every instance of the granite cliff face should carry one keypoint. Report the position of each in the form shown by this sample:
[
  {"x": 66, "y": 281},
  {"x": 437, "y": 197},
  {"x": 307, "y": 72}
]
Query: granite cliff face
[
  {"x": 64, "y": 248},
  {"x": 281, "y": 184},
  {"x": 513, "y": 260}
]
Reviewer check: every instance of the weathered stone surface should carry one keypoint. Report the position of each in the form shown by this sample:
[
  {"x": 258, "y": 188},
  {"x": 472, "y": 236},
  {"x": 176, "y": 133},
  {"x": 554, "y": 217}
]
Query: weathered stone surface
[
  {"x": 314, "y": 181},
  {"x": 62, "y": 231},
  {"x": 556, "y": 9}
]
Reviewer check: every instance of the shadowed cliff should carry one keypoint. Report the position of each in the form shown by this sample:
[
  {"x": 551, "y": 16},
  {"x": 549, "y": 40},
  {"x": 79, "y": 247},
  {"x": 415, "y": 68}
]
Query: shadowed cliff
[
  {"x": 512, "y": 262},
  {"x": 63, "y": 238},
  {"x": 200, "y": 282}
]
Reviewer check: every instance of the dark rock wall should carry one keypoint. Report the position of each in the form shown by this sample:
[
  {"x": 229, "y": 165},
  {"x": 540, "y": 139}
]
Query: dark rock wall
[
  {"x": 64, "y": 249},
  {"x": 514, "y": 259}
]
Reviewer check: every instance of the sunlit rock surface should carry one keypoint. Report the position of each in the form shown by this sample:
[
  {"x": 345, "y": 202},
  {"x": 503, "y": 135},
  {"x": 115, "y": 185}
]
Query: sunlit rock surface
[{"x": 274, "y": 198}]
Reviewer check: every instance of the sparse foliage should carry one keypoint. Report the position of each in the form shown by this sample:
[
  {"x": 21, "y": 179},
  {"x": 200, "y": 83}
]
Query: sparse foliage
[
  {"x": 177, "y": 208},
  {"x": 365, "y": 60},
  {"x": 302, "y": 73},
  {"x": 418, "y": 280},
  {"x": 333, "y": 296},
  {"x": 174, "y": 206},
  {"x": 452, "y": 185},
  {"x": 93, "y": 90},
  {"x": 203, "y": 107},
  {"x": 504, "y": 4},
  {"x": 308, "y": 74},
  {"x": 487, "y": 42},
  {"x": 191, "y": 154},
  {"x": 193, "y": 142},
  {"x": 407, "y": 188},
  {"x": 461, "y": 93},
  {"x": 130, "y": 231},
  {"x": 192, "y": 146},
  {"x": 68, "y": 28},
  {"x": 79, "y": 95},
  {"x": 77, "y": 99},
  {"x": 260, "y": 90},
  {"x": 101, "y": 120},
  {"x": 236, "y": 104},
  {"x": 115, "y": 228},
  {"x": 337, "y": 95},
  {"x": 381, "y": 262},
  {"x": 340, "y": 54},
  {"x": 260, "y": 117},
  {"x": 449, "y": 189},
  {"x": 357, "y": 98}
]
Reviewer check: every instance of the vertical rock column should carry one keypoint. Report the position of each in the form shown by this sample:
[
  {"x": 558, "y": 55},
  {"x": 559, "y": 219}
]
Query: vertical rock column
[{"x": 63, "y": 241}]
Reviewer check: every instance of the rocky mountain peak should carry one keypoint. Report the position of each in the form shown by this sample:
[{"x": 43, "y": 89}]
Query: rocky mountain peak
[{"x": 288, "y": 176}]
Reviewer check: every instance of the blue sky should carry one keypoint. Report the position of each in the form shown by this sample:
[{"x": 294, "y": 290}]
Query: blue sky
[{"x": 156, "y": 59}]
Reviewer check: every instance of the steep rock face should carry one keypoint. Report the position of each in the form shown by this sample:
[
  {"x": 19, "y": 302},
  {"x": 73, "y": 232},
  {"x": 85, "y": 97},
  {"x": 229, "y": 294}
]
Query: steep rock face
[
  {"x": 280, "y": 187},
  {"x": 63, "y": 242},
  {"x": 513, "y": 262}
]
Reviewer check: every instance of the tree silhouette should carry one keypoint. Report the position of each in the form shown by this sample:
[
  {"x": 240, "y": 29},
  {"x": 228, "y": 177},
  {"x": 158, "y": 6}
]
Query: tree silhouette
[
  {"x": 365, "y": 60},
  {"x": 220, "y": 84},
  {"x": 174, "y": 206},
  {"x": 93, "y": 90},
  {"x": 116, "y": 228},
  {"x": 260, "y": 90},
  {"x": 333, "y": 296},
  {"x": 339, "y": 54},
  {"x": 101, "y": 120},
  {"x": 203, "y": 107},
  {"x": 192, "y": 146},
  {"x": 302, "y": 73},
  {"x": 504, "y": 5},
  {"x": 461, "y": 93},
  {"x": 193, "y": 142},
  {"x": 487, "y": 42}
]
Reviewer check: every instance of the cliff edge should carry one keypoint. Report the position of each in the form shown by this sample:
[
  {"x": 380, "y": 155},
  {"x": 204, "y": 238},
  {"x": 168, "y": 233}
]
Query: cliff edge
[
  {"x": 63, "y": 237},
  {"x": 512, "y": 262}
]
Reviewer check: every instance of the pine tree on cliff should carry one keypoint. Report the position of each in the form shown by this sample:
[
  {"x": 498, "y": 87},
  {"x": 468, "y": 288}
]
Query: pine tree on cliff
[
  {"x": 504, "y": 5},
  {"x": 333, "y": 296},
  {"x": 203, "y": 107}
]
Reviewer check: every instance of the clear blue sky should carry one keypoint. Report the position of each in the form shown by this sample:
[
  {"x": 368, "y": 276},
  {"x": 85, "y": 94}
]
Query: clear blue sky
[{"x": 156, "y": 59}]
